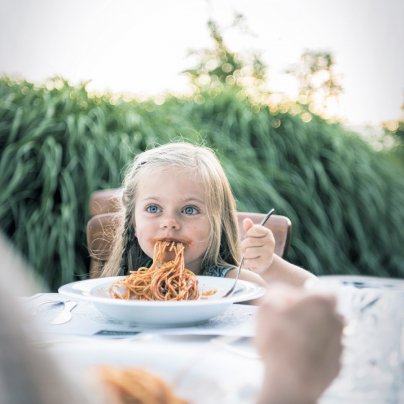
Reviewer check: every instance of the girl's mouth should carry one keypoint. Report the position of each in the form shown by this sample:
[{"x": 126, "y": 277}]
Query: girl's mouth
[
  {"x": 185, "y": 242},
  {"x": 169, "y": 253}
]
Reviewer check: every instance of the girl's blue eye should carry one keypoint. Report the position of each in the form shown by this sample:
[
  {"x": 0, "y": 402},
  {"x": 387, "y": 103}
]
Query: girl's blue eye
[
  {"x": 152, "y": 209},
  {"x": 190, "y": 210}
]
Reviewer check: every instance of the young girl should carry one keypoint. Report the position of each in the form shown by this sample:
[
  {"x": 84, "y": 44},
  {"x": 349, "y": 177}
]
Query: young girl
[{"x": 179, "y": 192}]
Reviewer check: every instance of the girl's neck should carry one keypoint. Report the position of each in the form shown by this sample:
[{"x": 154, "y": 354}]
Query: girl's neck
[{"x": 195, "y": 267}]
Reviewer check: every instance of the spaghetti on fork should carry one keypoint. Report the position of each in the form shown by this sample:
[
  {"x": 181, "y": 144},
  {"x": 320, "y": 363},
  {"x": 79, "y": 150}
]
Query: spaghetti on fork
[{"x": 164, "y": 280}]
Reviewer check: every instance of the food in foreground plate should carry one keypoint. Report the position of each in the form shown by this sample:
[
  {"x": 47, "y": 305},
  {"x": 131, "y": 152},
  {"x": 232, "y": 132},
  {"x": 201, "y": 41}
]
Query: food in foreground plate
[{"x": 136, "y": 386}]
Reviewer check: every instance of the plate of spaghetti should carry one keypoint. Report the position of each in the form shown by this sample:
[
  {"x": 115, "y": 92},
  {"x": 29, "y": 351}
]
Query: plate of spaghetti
[
  {"x": 162, "y": 312},
  {"x": 164, "y": 294},
  {"x": 162, "y": 370}
]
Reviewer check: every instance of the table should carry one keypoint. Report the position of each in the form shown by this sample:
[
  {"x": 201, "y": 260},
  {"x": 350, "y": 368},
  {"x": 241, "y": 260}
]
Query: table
[{"x": 207, "y": 363}]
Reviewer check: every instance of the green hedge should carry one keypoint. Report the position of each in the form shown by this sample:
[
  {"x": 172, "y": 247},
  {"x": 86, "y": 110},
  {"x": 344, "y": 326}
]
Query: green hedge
[{"x": 58, "y": 144}]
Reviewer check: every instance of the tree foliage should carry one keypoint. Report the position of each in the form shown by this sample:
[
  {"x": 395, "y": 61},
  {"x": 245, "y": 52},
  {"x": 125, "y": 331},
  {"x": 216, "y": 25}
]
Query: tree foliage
[
  {"x": 318, "y": 81},
  {"x": 218, "y": 66}
]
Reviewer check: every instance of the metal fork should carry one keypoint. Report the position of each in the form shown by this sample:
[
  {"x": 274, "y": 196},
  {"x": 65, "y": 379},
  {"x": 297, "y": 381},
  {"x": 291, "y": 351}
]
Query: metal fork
[
  {"x": 51, "y": 302},
  {"x": 231, "y": 290},
  {"x": 66, "y": 314}
]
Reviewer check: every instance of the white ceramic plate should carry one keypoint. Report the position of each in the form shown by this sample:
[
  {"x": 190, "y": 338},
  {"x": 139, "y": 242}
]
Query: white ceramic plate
[
  {"x": 199, "y": 372},
  {"x": 158, "y": 313}
]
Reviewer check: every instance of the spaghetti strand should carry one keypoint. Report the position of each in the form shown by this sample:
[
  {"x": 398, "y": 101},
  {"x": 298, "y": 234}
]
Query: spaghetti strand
[{"x": 164, "y": 280}]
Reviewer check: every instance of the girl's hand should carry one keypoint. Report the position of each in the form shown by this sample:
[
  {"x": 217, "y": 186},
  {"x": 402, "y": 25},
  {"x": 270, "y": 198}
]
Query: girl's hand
[{"x": 257, "y": 247}]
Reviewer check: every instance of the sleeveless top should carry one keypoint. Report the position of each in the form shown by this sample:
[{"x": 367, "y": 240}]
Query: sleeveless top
[{"x": 219, "y": 272}]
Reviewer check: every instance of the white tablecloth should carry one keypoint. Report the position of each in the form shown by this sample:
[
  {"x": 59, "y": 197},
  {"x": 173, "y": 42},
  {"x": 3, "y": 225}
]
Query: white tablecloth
[{"x": 207, "y": 363}]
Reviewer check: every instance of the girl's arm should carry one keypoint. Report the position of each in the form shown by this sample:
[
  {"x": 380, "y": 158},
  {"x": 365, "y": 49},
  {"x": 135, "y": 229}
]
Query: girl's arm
[
  {"x": 281, "y": 270},
  {"x": 247, "y": 275},
  {"x": 258, "y": 249}
]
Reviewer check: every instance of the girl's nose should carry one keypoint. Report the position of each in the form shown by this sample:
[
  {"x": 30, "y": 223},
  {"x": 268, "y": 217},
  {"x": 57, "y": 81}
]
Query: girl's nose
[{"x": 169, "y": 224}]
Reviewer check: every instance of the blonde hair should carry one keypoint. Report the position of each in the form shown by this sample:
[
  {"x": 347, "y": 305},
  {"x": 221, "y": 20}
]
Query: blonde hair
[{"x": 223, "y": 244}]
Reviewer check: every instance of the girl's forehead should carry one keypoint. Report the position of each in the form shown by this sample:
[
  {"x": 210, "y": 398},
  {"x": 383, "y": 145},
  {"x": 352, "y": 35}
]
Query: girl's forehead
[
  {"x": 166, "y": 179},
  {"x": 169, "y": 170}
]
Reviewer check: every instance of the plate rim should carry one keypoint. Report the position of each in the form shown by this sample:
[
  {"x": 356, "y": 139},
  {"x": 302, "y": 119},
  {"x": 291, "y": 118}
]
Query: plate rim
[
  {"x": 373, "y": 281},
  {"x": 256, "y": 292}
]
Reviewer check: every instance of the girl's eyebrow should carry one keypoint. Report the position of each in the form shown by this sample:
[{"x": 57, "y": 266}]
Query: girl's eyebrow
[
  {"x": 193, "y": 199},
  {"x": 146, "y": 198},
  {"x": 182, "y": 200}
]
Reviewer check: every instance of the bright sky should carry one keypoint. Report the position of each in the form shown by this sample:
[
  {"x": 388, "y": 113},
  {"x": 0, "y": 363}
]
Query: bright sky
[{"x": 140, "y": 46}]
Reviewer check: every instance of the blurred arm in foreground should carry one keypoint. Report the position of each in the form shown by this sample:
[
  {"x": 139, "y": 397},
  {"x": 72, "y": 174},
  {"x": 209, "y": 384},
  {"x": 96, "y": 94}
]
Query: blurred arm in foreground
[{"x": 299, "y": 338}]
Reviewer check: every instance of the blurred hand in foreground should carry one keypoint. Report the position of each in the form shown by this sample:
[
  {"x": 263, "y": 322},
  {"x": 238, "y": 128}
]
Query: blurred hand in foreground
[{"x": 299, "y": 338}]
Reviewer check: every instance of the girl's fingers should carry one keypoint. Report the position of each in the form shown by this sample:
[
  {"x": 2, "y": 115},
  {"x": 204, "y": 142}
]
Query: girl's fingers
[
  {"x": 254, "y": 230},
  {"x": 257, "y": 247},
  {"x": 255, "y": 242},
  {"x": 257, "y": 252},
  {"x": 247, "y": 224},
  {"x": 258, "y": 231}
]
